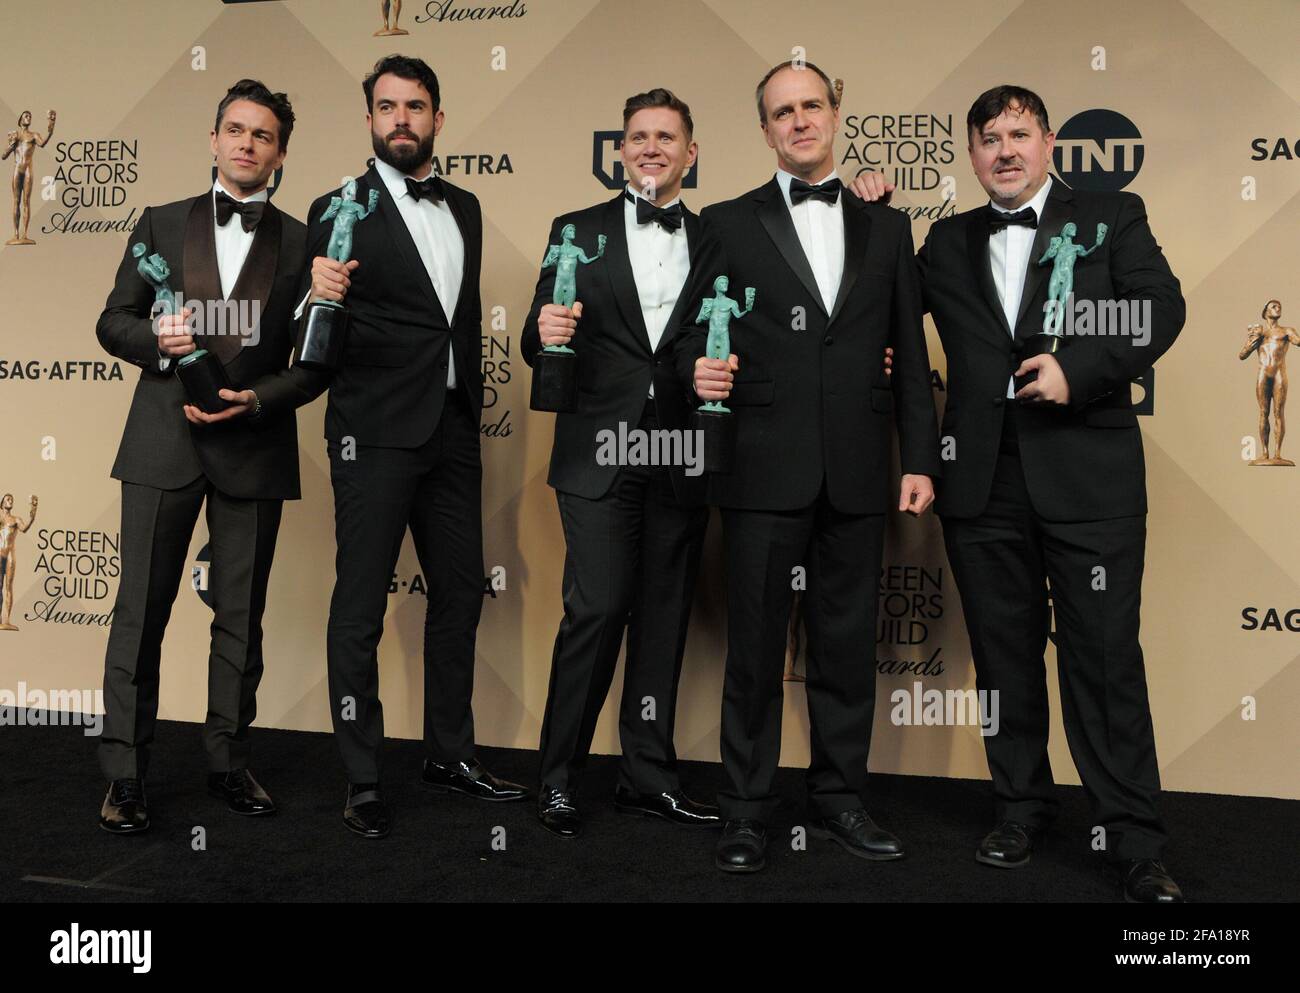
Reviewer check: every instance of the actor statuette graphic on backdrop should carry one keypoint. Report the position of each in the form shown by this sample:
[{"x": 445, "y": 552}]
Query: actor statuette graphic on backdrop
[
  {"x": 22, "y": 145},
  {"x": 11, "y": 526},
  {"x": 1270, "y": 341}
]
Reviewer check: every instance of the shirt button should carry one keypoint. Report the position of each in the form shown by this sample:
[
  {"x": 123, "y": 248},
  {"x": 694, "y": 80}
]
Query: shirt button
[{"x": 828, "y": 340}]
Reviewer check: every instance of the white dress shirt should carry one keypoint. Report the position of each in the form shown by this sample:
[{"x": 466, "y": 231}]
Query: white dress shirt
[
  {"x": 820, "y": 227},
  {"x": 1009, "y": 251},
  {"x": 437, "y": 238},
  {"x": 233, "y": 244},
  {"x": 660, "y": 262}
]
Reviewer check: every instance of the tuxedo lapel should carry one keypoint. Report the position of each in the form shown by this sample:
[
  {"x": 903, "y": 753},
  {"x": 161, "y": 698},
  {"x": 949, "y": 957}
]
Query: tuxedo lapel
[
  {"x": 694, "y": 232},
  {"x": 1056, "y": 211},
  {"x": 775, "y": 217},
  {"x": 977, "y": 252},
  {"x": 468, "y": 238},
  {"x": 258, "y": 273},
  {"x": 201, "y": 276},
  {"x": 399, "y": 235},
  {"x": 857, "y": 231},
  {"x": 618, "y": 268}
]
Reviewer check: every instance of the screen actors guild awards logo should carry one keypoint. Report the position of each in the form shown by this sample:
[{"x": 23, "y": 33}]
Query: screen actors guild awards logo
[
  {"x": 22, "y": 145},
  {"x": 1270, "y": 341},
  {"x": 11, "y": 526}
]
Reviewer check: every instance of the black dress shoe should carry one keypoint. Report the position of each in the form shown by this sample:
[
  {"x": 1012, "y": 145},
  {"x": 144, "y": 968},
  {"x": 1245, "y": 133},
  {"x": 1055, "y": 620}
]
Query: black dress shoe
[
  {"x": 242, "y": 793},
  {"x": 1146, "y": 881},
  {"x": 675, "y": 806},
  {"x": 471, "y": 779},
  {"x": 1007, "y": 846},
  {"x": 858, "y": 834},
  {"x": 742, "y": 846},
  {"x": 124, "y": 810},
  {"x": 366, "y": 813},
  {"x": 558, "y": 812}
]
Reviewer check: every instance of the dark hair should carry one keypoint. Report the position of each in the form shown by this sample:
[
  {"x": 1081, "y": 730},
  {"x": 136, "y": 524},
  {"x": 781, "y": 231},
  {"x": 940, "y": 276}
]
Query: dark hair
[
  {"x": 659, "y": 97},
  {"x": 256, "y": 91},
  {"x": 762, "y": 85},
  {"x": 403, "y": 67},
  {"x": 990, "y": 104}
]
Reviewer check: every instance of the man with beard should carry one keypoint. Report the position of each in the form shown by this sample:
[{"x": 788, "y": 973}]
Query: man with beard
[
  {"x": 402, "y": 427},
  {"x": 632, "y": 533},
  {"x": 227, "y": 245},
  {"x": 1047, "y": 489}
]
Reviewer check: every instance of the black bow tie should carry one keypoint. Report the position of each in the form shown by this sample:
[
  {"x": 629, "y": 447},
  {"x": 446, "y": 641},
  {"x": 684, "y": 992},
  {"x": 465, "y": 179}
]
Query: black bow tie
[
  {"x": 827, "y": 191},
  {"x": 998, "y": 219},
  {"x": 425, "y": 189},
  {"x": 668, "y": 218},
  {"x": 249, "y": 211}
]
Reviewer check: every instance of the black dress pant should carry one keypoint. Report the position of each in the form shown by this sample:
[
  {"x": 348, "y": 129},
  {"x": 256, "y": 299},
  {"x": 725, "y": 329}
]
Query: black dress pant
[
  {"x": 631, "y": 561},
  {"x": 840, "y": 554},
  {"x": 378, "y": 493},
  {"x": 157, "y": 526},
  {"x": 1004, "y": 562}
]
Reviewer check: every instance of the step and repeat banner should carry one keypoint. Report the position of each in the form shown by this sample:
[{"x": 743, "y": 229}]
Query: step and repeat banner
[{"x": 1194, "y": 105}]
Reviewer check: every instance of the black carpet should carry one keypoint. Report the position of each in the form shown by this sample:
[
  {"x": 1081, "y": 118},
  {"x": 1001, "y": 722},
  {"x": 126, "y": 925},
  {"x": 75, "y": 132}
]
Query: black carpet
[{"x": 1224, "y": 848}]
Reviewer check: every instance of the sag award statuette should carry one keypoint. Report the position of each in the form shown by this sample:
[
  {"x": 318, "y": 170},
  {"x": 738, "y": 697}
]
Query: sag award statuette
[
  {"x": 1062, "y": 252},
  {"x": 200, "y": 372},
  {"x": 714, "y": 422},
  {"x": 555, "y": 380},
  {"x": 320, "y": 339}
]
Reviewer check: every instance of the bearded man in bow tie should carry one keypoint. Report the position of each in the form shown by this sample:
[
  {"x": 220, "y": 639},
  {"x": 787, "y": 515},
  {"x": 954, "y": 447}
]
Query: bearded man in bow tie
[
  {"x": 227, "y": 246},
  {"x": 402, "y": 428}
]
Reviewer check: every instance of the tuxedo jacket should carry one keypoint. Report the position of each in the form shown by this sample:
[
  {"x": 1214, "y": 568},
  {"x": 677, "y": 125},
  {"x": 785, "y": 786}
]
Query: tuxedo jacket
[
  {"x": 1082, "y": 461},
  {"x": 391, "y": 386},
  {"x": 616, "y": 364},
  {"x": 249, "y": 458},
  {"x": 813, "y": 403}
]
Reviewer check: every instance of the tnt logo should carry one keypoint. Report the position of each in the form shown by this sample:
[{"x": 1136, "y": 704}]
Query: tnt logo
[
  {"x": 608, "y": 167},
  {"x": 1098, "y": 150}
]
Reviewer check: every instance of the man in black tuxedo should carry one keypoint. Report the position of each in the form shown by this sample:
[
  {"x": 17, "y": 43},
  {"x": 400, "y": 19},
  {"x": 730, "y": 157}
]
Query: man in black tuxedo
[
  {"x": 633, "y": 533},
  {"x": 1046, "y": 483},
  {"x": 835, "y": 285},
  {"x": 402, "y": 427},
  {"x": 228, "y": 246}
]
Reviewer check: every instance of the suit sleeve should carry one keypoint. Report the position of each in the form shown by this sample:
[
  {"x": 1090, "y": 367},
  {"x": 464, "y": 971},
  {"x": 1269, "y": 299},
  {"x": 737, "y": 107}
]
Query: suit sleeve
[
  {"x": 530, "y": 341},
  {"x": 1138, "y": 272},
  {"x": 922, "y": 268},
  {"x": 709, "y": 263},
  {"x": 914, "y": 416},
  {"x": 124, "y": 327},
  {"x": 295, "y": 386}
]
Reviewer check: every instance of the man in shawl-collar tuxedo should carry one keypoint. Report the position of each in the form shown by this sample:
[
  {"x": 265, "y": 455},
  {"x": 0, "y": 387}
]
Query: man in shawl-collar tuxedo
[
  {"x": 229, "y": 246},
  {"x": 633, "y": 533},
  {"x": 402, "y": 428},
  {"x": 1048, "y": 484},
  {"x": 835, "y": 285}
]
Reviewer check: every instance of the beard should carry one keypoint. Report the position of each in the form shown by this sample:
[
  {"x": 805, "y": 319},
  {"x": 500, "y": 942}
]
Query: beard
[{"x": 403, "y": 158}]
